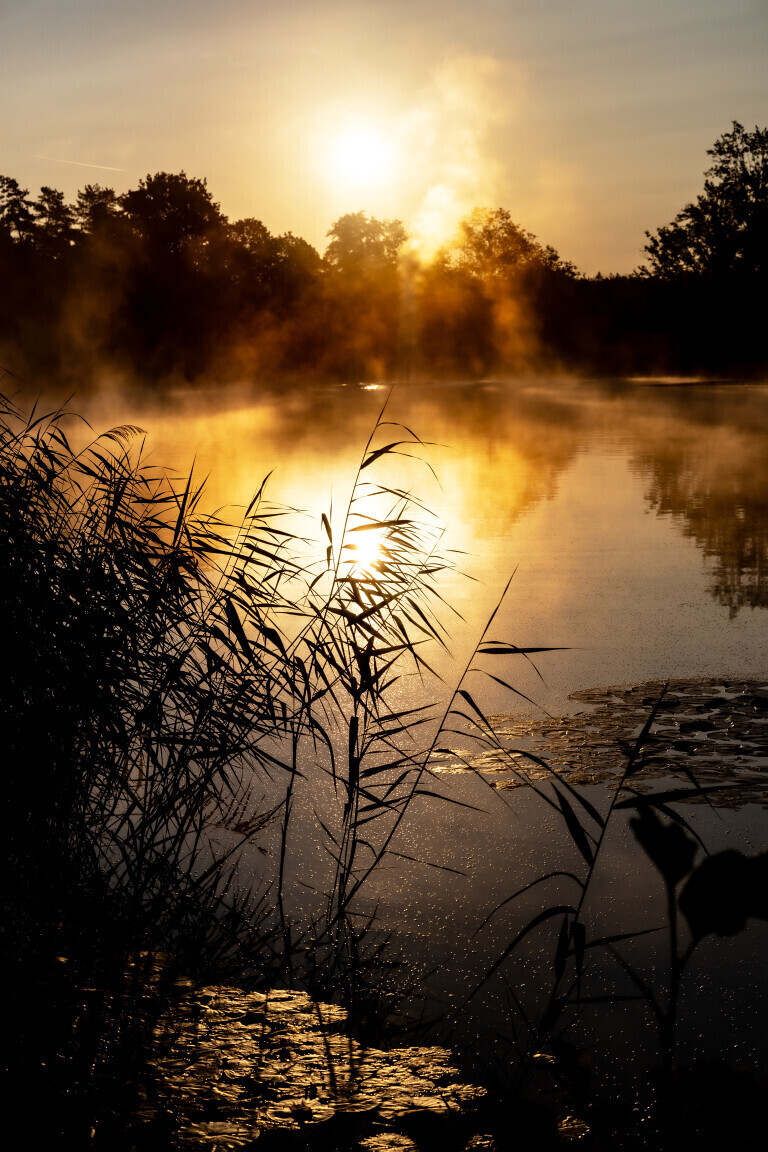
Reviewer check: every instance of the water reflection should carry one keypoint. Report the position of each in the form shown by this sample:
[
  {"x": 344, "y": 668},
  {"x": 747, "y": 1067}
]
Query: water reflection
[
  {"x": 707, "y": 470},
  {"x": 512, "y": 450},
  {"x": 496, "y": 452},
  {"x": 229, "y": 1066},
  {"x": 556, "y": 480},
  {"x": 498, "y": 449}
]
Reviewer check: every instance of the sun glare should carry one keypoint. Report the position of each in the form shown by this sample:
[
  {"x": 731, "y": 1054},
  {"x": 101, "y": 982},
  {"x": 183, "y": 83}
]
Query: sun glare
[
  {"x": 367, "y": 551},
  {"x": 362, "y": 155}
]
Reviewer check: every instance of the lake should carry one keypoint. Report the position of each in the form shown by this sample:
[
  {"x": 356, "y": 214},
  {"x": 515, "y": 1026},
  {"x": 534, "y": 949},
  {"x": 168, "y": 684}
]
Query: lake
[{"x": 632, "y": 517}]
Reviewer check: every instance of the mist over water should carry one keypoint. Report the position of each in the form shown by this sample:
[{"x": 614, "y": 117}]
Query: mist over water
[{"x": 634, "y": 516}]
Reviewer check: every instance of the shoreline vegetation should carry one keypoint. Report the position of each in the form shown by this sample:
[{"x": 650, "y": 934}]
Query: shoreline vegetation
[
  {"x": 183, "y": 694},
  {"x": 183, "y": 698},
  {"x": 156, "y": 287}
]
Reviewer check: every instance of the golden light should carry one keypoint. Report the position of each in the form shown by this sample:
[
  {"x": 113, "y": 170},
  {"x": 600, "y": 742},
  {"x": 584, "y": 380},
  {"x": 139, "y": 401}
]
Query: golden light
[
  {"x": 435, "y": 222},
  {"x": 365, "y": 549},
  {"x": 362, "y": 155}
]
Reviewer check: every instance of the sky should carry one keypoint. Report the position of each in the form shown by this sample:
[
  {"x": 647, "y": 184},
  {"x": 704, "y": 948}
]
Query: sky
[{"x": 589, "y": 120}]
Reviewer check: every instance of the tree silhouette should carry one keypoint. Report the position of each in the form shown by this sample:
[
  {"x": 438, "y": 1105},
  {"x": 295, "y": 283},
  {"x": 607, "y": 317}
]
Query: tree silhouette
[
  {"x": 299, "y": 254},
  {"x": 271, "y": 259},
  {"x": 726, "y": 230},
  {"x": 363, "y": 244},
  {"x": 252, "y": 261},
  {"x": 489, "y": 245},
  {"x": 171, "y": 210},
  {"x": 16, "y": 215},
  {"x": 54, "y": 223},
  {"x": 253, "y": 236},
  {"x": 96, "y": 208},
  {"x": 158, "y": 284},
  {"x": 362, "y": 295},
  {"x": 481, "y": 299}
]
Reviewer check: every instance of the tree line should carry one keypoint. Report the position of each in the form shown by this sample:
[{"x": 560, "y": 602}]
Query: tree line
[{"x": 157, "y": 284}]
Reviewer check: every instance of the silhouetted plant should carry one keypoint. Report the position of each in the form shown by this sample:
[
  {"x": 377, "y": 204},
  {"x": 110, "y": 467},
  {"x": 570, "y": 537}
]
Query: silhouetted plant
[
  {"x": 168, "y": 668},
  {"x": 725, "y": 232},
  {"x": 718, "y": 895},
  {"x": 132, "y": 714}
]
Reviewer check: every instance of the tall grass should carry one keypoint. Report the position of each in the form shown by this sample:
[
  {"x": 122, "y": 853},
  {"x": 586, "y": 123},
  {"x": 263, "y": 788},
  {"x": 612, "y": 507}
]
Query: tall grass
[
  {"x": 714, "y": 895},
  {"x": 175, "y": 682},
  {"x": 183, "y": 694},
  {"x": 132, "y": 714}
]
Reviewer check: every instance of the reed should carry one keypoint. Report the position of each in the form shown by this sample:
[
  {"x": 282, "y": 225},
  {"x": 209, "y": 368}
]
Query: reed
[
  {"x": 132, "y": 717},
  {"x": 177, "y": 688},
  {"x": 714, "y": 895},
  {"x": 185, "y": 693}
]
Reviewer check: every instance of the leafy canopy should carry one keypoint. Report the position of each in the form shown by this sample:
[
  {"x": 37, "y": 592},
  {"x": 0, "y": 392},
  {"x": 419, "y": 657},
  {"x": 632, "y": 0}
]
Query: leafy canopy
[
  {"x": 726, "y": 230},
  {"x": 171, "y": 209},
  {"x": 489, "y": 246},
  {"x": 361, "y": 243}
]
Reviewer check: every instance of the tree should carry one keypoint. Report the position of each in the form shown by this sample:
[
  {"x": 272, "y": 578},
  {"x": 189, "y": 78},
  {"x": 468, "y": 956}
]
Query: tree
[
  {"x": 299, "y": 255},
  {"x": 726, "y": 230},
  {"x": 267, "y": 270},
  {"x": 490, "y": 246},
  {"x": 171, "y": 210},
  {"x": 54, "y": 223},
  {"x": 96, "y": 208},
  {"x": 363, "y": 244},
  {"x": 254, "y": 256},
  {"x": 253, "y": 236},
  {"x": 299, "y": 266},
  {"x": 16, "y": 218},
  {"x": 361, "y": 291}
]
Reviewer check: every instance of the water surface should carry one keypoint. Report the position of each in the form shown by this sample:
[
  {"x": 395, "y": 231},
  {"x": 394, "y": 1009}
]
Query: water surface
[{"x": 633, "y": 516}]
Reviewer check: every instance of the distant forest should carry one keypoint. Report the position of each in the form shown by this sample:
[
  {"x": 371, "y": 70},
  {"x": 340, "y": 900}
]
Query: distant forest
[{"x": 156, "y": 285}]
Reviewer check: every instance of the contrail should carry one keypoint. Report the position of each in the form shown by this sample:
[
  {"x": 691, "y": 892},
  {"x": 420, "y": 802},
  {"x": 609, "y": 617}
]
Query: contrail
[{"x": 77, "y": 163}]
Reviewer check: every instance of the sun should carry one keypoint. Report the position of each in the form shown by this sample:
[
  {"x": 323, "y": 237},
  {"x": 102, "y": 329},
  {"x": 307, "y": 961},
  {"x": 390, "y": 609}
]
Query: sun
[
  {"x": 366, "y": 551},
  {"x": 362, "y": 155}
]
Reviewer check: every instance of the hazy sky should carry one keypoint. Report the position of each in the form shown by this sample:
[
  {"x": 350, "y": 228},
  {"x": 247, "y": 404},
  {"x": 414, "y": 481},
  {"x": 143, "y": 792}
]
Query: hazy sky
[{"x": 588, "y": 119}]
